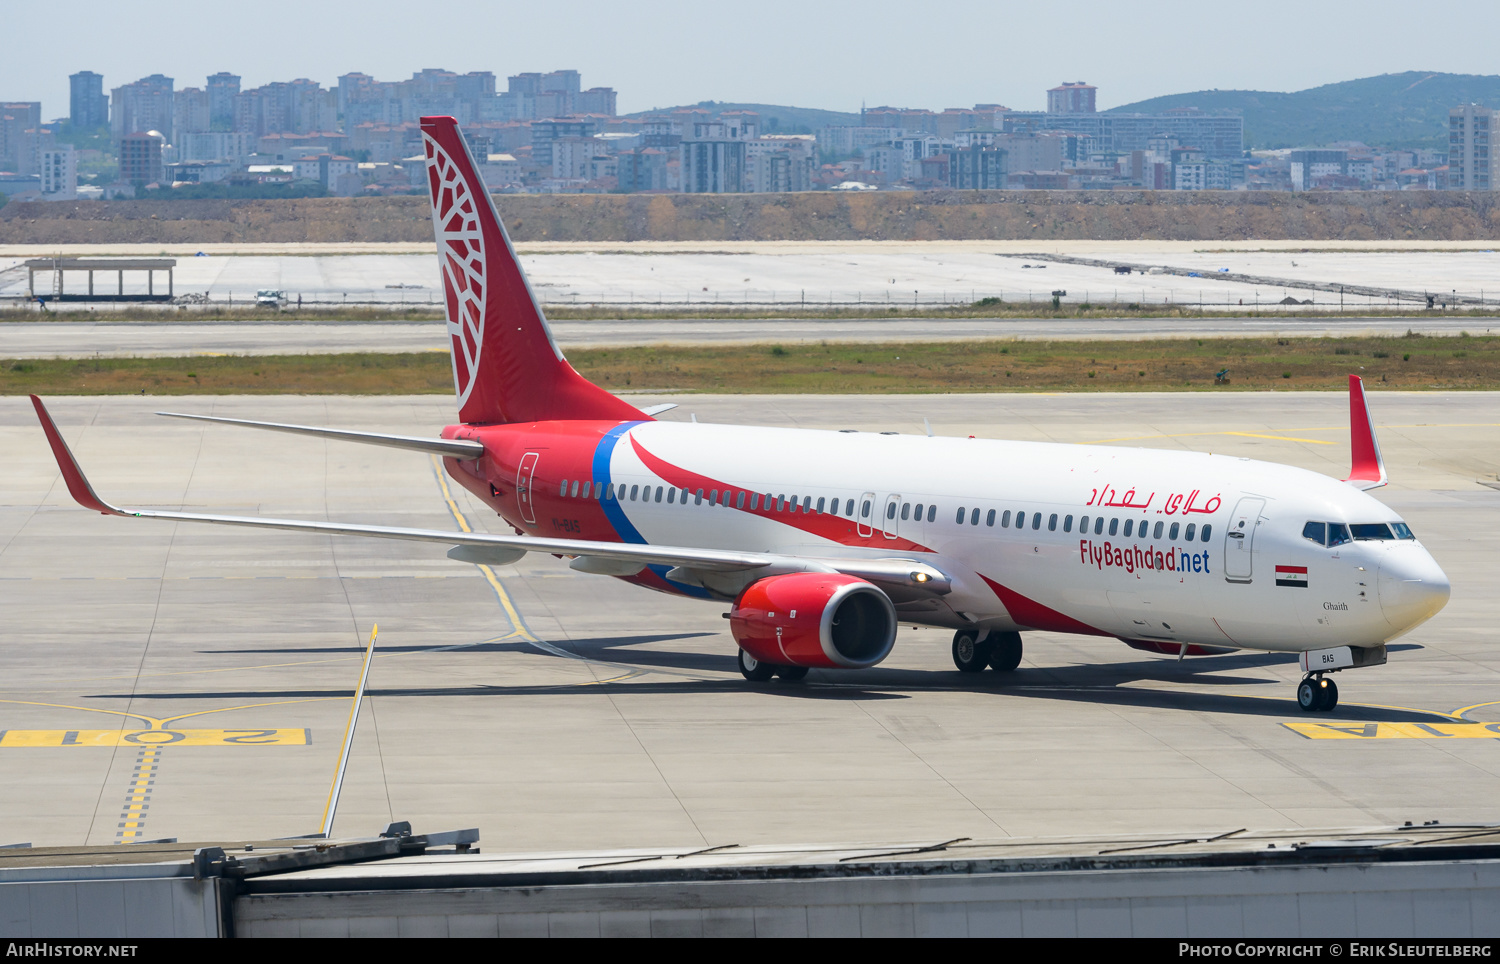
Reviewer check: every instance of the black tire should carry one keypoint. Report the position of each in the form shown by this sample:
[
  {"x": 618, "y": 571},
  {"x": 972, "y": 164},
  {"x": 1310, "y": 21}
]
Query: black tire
[
  {"x": 754, "y": 670},
  {"x": 1309, "y": 696},
  {"x": 969, "y": 654},
  {"x": 1005, "y": 652},
  {"x": 791, "y": 673},
  {"x": 1328, "y": 696}
]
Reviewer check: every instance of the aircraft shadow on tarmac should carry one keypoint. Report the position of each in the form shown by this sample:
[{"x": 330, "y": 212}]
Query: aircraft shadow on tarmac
[{"x": 1100, "y": 683}]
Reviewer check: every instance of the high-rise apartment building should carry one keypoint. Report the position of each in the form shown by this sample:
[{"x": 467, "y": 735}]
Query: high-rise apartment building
[
  {"x": 145, "y": 105},
  {"x": 713, "y": 152},
  {"x": 1473, "y": 161},
  {"x": 1071, "y": 99},
  {"x": 59, "y": 173},
  {"x": 190, "y": 112},
  {"x": 140, "y": 158},
  {"x": 222, "y": 89},
  {"x": 88, "y": 107}
]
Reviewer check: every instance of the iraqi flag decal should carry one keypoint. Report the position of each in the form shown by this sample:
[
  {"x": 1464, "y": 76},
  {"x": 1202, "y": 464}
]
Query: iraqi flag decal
[{"x": 1292, "y": 576}]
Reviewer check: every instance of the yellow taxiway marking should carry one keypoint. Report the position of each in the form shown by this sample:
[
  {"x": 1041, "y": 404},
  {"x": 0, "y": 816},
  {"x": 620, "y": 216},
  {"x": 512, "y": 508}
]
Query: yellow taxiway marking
[
  {"x": 521, "y": 631},
  {"x": 1464, "y": 710},
  {"x": 155, "y": 737},
  {"x": 1395, "y": 731}
]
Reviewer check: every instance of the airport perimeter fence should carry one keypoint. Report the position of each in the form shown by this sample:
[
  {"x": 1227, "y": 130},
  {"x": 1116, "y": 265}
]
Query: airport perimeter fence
[{"x": 1117, "y": 298}]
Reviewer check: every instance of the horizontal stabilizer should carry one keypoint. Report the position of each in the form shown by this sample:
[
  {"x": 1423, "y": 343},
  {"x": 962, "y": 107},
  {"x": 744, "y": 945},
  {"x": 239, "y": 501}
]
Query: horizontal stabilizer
[{"x": 454, "y": 448}]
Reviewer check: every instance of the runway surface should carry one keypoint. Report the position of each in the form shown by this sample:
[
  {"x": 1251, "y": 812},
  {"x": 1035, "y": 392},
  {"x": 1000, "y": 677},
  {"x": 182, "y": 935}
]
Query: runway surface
[
  {"x": 49, "y": 339},
  {"x": 555, "y": 710}
]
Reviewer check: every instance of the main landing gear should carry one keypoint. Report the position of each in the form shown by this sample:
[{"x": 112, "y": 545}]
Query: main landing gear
[
  {"x": 758, "y": 672},
  {"x": 1317, "y": 693},
  {"x": 999, "y": 651}
]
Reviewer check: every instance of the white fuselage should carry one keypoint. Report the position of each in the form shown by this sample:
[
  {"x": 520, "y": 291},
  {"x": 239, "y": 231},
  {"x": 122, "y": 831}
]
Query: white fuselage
[{"x": 1255, "y": 581}]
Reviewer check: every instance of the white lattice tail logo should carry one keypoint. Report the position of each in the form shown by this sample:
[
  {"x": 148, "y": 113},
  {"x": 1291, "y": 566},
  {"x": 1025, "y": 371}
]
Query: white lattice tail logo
[{"x": 455, "y": 219}]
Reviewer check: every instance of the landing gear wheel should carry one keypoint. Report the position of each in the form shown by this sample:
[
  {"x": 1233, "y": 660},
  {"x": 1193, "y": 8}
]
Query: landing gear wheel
[
  {"x": 969, "y": 654},
  {"x": 1005, "y": 652},
  {"x": 1330, "y": 696},
  {"x": 1309, "y": 695},
  {"x": 754, "y": 670},
  {"x": 791, "y": 673}
]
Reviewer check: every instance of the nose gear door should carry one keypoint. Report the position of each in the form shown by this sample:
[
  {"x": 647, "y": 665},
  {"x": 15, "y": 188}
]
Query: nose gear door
[
  {"x": 1239, "y": 541},
  {"x": 523, "y": 486}
]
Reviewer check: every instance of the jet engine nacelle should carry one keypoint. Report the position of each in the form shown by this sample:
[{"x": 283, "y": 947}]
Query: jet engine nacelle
[{"x": 815, "y": 619}]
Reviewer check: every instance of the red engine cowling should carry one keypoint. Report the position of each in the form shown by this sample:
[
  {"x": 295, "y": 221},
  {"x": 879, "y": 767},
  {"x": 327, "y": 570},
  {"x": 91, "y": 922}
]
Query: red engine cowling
[{"x": 815, "y": 619}]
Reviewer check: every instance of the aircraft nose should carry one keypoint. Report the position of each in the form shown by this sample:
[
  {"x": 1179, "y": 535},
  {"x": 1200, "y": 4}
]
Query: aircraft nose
[{"x": 1413, "y": 588}]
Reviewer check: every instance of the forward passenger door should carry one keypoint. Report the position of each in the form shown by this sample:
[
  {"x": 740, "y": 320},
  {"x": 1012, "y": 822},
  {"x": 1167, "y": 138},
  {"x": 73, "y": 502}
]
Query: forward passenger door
[{"x": 1239, "y": 541}]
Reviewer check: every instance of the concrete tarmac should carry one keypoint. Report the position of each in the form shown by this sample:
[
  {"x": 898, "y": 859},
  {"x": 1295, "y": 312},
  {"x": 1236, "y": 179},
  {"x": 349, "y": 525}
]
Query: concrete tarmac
[
  {"x": 50, "y": 339},
  {"x": 561, "y": 711}
]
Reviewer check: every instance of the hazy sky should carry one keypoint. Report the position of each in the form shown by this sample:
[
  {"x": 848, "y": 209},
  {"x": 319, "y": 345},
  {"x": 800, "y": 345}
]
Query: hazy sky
[{"x": 658, "y": 54}]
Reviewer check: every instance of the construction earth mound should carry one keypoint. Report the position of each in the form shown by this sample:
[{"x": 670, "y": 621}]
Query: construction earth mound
[{"x": 820, "y": 216}]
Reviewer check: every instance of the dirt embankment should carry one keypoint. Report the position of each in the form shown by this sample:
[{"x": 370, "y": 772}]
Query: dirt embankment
[{"x": 883, "y": 216}]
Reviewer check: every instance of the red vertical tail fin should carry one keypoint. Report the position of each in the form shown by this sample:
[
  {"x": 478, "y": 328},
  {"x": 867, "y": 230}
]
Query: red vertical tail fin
[{"x": 506, "y": 366}]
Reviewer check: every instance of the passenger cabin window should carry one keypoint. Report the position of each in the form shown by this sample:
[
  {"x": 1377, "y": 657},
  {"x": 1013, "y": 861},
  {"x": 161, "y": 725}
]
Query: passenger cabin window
[
  {"x": 989, "y": 518},
  {"x": 1020, "y": 520},
  {"x": 1052, "y": 523},
  {"x": 1206, "y": 530},
  {"x": 1192, "y": 528},
  {"x": 563, "y": 492},
  {"x": 905, "y": 511},
  {"x": 1036, "y": 520},
  {"x": 658, "y": 493},
  {"x": 1114, "y": 526},
  {"x": 932, "y": 513},
  {"x": 671, "y": 496},
  {"x": 864, "y": 510},
  {"x": 1129, "y": 523},
  {"x": 574, "y": 493},
  {"x": 1099, "y": 525},
  {"x": 960, "y": 519},
  {"x": 1156, "y": 533},
  {"x": 1172, "y": 533},
  {"x": 1083, "y": 524},
  {"x": 586, "y": 487},
  {"x": 1068, "y": 524},
  {"x": 849, "y": 508},
  {"x": 1005, "y": 519},
  {"x": 821, "y": 503},
  {"x": 974, "y": 518},
  {"x": 633, "y": 490}
]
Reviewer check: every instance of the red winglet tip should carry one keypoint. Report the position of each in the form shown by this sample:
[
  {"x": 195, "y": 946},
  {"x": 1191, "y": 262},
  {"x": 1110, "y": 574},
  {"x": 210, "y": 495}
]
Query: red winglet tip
[
  {"x": 78, "y": 486},
  {"x": 1366, "y": 464}
]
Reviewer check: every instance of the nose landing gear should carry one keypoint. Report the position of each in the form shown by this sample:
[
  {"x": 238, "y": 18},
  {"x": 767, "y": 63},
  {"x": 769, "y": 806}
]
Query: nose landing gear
[{"x": 1317, "y": 693}]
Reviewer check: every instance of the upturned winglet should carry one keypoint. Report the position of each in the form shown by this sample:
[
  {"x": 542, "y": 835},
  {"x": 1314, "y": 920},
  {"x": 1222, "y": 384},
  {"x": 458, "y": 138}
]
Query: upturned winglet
[
  {"x": 78, "y": 486},
  {"x": 1368, "y": 468}
]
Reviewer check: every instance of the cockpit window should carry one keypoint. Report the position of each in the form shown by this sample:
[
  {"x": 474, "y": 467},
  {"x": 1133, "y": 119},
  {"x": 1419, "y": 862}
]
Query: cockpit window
[
  {"x": 1332, "y": 534},
  {"x": 1371, "y": 531},
  {"x": 1403, "y": 531}
]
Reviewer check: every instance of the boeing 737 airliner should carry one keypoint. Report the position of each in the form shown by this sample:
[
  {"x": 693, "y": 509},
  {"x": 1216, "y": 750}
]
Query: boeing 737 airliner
[{"x": 822, "y": 542}]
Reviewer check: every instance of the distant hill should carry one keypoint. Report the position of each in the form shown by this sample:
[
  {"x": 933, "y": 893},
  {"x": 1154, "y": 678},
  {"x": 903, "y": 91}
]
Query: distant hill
[
  {"x": 1407, "y": 110},
  {"x": 774, "y": 119}
]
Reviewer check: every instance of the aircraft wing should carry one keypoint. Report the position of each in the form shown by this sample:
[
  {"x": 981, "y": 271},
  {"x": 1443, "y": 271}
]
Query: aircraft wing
[{"x": 900, "y": 571}]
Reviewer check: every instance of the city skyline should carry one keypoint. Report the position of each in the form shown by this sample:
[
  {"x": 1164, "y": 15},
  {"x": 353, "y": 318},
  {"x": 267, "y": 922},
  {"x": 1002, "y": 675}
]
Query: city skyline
[{"x": 684, "y": 54}]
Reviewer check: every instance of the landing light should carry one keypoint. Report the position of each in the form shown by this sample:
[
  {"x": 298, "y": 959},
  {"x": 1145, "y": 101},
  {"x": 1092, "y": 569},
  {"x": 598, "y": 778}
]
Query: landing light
[{"x": 920, "y": 577}]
